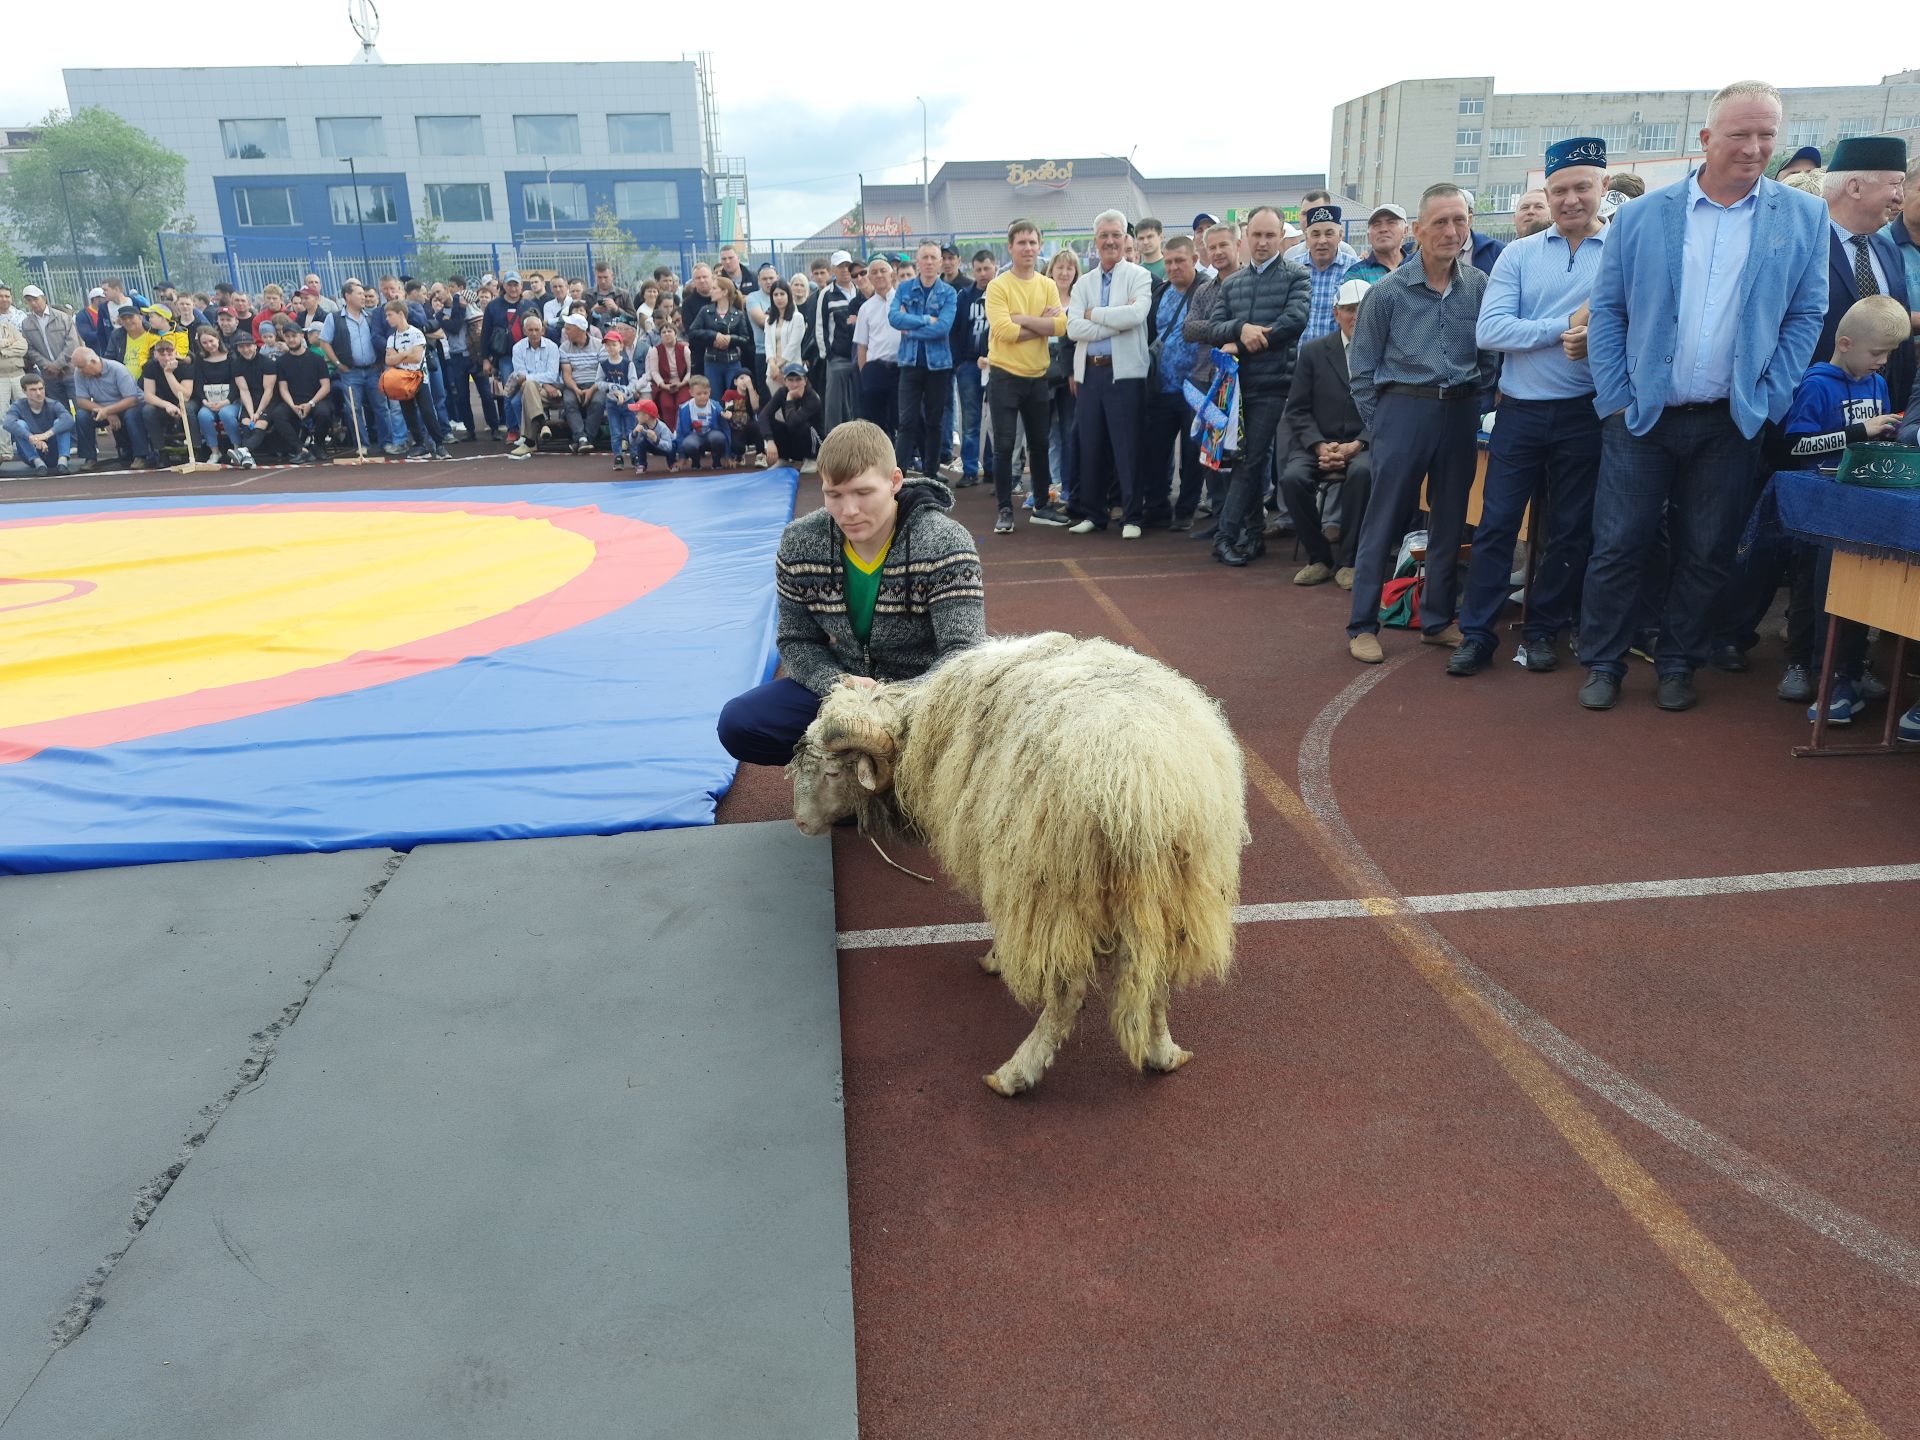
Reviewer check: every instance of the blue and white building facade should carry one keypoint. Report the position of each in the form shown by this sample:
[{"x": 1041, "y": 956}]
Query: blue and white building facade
[{"x": 497, "y": 154}]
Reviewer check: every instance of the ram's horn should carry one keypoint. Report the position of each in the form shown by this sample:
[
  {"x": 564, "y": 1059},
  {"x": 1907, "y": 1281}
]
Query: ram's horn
[{"x": 865, "y": 739}]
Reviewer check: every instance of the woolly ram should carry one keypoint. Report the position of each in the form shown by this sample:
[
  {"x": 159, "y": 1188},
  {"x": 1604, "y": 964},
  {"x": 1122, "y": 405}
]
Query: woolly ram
[{"x": 1090, "y": 799}]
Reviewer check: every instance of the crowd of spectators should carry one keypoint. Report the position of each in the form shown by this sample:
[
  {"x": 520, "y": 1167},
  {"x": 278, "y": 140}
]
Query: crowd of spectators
[{"x": 1641, "y": 363}]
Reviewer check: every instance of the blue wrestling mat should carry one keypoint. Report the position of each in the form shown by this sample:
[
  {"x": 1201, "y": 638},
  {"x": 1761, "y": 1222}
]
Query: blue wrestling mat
[{"x": 187, "y": 677}]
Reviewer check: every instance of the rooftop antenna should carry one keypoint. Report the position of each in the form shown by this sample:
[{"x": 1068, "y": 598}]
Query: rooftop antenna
[{"x": 365, "y": 20}]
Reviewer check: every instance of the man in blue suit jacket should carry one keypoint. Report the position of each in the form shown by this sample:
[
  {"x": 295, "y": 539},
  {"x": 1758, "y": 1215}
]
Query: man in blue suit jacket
[{"x": 1709, "y": 299}]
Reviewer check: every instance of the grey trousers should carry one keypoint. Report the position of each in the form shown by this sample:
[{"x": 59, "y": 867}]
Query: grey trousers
[{"x": 843, "y": 392}]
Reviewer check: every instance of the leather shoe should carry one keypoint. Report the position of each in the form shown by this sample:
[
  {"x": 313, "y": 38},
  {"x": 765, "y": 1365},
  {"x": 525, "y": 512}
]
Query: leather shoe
[
  {"x": 1226, "y": 554},
  {"x": 1675, "y": 692},
  {"x": 1730, "y": 658},
  {"x": 1469, "y": 659},
  {"x": 1449, "y": 637},
  {"x": 1365, "y": 647},
  {"x": 1601, "y": 690},
  {"x": 1539, "y": 655}
]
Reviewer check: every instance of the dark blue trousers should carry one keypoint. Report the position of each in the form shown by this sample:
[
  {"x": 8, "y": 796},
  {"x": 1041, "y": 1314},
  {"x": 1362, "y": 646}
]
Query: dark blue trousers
[
  {"x": 1107, "y": 427},
  {"x": 1549, "y": 447},
  {"x": 1169, "y": 421},
  {"x": 1416, "y": 439},
  {"x": 1695, "y": 468},
  {"x": 762, "y": 726}
]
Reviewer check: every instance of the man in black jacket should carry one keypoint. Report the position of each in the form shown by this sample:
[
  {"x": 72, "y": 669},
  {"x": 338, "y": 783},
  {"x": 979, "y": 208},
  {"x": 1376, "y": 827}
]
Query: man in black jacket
[
  {"x": 1263, "y": 309},
  {"x": 499, "y": 332},
  {"x": 1328, "y": 446},
  {"x": 794, "y": 420}
]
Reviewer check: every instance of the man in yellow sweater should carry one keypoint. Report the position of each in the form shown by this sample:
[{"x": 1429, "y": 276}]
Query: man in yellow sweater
[{"x": 1023, "y": 313}]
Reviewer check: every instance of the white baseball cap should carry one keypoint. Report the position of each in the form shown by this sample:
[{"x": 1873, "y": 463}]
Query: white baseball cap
[
  {"x": 1351, "y": 292},
  {"x": 34, "y": 290},
  {"x": 579, "y": 320},
  {"x": 840, "y": 257}
]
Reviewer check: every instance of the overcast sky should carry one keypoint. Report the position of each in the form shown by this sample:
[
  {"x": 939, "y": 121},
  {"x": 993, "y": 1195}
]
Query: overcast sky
[{"x": 804, "y": 134}]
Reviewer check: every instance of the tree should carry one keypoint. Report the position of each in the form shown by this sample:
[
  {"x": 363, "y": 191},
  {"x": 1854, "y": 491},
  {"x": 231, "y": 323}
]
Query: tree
[
  {"x": 133, "y": 187},
  {"x": 430, "y": 259},
  {"x": 613, "y": 245},
  {"x": 12, "y": 273}
]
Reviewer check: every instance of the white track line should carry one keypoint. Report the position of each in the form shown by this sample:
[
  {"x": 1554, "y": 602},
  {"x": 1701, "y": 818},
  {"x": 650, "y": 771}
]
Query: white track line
[
  {"x": 1761, "y": 1179},
  {"x": 1459, "y": 902}
]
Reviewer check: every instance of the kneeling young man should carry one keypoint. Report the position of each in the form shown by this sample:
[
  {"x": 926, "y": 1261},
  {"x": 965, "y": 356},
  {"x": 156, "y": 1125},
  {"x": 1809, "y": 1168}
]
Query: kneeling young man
[{"x": 879, "y": 584}]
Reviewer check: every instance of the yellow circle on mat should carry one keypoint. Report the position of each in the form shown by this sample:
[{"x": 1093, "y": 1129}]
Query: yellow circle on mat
[{"x": 188, "y": 603}]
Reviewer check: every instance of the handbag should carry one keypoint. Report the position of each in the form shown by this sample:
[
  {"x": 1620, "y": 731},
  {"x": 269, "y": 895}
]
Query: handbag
[{"x": 400, "y": 385}]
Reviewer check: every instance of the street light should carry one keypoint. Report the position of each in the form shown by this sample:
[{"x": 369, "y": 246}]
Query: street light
[
  {"x": 926, "y": 206},
  {"x": 73, "y": 236},
  {"x": 553, "y": 216},
  {"x": 358, "y": 218}
]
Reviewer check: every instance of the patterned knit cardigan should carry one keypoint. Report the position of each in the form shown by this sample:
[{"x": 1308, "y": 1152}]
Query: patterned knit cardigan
[{"x": 931, "y": 600}]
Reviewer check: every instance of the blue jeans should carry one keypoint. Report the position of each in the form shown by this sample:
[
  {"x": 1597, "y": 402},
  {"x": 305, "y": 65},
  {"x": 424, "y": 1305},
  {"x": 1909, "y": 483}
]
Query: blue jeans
[
  {"x": 1539, "y": 446},
  {"x": 1695, "y": 468},
  {"x": 360, "y": 387},
  {"x": 973, "y": 384},
  {"x": 437, "y": 387},
  {"x": 229, "y": 418},
  {"x": 620, "y": 424},
  {"x": 1063, "y": 448},
  {"x": 57, "y": 448},
  {"x": 762, "y": 726},
  {"x": 721, "y": 374}
]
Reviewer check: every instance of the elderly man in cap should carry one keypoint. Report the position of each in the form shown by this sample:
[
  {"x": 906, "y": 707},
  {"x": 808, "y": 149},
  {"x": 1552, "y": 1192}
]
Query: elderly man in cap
[
  {"x": 1862, "y": 184},
  {"x": 1546, "y": 442},
  {"x": 1704, "y": 317},
  {"x": 1420, "y": 382},
  {"x": 1326, "y": 267},
  {"x": 1329, "y": 446},
  {"x": 50, "y": 344},
  {"x": 584, "y": 398},
  {"x": 1386, "y": 245}
]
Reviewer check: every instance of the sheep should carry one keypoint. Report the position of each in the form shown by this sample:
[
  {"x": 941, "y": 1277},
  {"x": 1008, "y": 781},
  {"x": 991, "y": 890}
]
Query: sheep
[{"x": 1090, "y": 798}]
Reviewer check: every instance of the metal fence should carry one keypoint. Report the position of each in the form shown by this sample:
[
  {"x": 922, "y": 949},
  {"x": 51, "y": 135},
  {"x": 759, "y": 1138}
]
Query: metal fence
[{"x": 66, "y": 284}]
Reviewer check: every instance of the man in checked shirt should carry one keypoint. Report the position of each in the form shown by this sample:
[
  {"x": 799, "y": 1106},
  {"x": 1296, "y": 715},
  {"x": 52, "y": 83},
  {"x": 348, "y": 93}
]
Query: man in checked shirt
[{"x": 1420, "y": 382}]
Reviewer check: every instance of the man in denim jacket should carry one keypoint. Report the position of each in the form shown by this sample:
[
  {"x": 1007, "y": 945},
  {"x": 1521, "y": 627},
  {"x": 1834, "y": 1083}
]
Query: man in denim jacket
[{"x": 922, "y": 311}]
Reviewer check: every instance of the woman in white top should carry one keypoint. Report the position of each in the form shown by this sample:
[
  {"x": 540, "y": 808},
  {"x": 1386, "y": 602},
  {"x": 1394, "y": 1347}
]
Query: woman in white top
[{"x": 785, "y": 331}]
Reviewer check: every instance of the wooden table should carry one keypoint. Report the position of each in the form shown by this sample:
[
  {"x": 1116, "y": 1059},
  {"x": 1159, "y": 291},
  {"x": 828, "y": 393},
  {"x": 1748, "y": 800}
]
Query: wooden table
[{"x": 1883, "y": 594}]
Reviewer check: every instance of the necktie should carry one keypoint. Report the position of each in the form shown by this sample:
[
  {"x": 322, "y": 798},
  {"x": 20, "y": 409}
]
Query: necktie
[{"x": 1863, "y": 280}]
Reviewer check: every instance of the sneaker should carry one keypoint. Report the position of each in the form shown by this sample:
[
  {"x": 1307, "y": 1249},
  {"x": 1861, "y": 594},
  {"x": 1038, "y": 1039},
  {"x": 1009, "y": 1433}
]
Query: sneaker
[
  {"x": 1909, "y": 731},
  {"x": 1003, "y": 523},
  {"x": 1019, "y": 487},
  {"x": 1084, "y": 527},
  {"x": 760, "y": 463},
  {"x": 1129, "y": 532},
  {"x": 1869, "y": 687},
  {"x": 1537, "y": 655},
  {"x": 245, "y": 457},
  {"x": 498, "y": 434},
  {"x": 520, "y": 451},
  {"x": 1796, "y": 686},
  {"x": 617, "y": 460},
  {"x": 967, "y": 482},
  {"x": 440, "y": 452},
  {"x": 1843, "y": 703},
  {"x": 456, "y": 431},
  {"x": 1026, "y": 502},
  {"x": 1469, "y": 658},
  {"x": 1047, "y": 515},
  {"x": 513, "y": 437},
  {"x": 63, "y": 466},
  {"x": 419, "y": 454},
  {"x": 396, "y": 450},
  {"x": 1314, "y": 574},
  {"x": 1343, "y": 577}
]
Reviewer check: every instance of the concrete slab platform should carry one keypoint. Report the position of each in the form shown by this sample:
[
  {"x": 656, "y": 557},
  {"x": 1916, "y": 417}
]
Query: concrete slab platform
[
  {"x": 555, "y": 1148},
  {"x": 134, "y": 1003}
]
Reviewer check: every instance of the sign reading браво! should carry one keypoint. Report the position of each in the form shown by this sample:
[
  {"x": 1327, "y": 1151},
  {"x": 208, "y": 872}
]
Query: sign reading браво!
[{"x": 1053, "y": 176}]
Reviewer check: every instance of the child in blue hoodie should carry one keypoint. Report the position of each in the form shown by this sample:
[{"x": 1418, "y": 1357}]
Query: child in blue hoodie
[
  {"x": 1838, "y": 403},
  {"x": 703, "y": 427}
]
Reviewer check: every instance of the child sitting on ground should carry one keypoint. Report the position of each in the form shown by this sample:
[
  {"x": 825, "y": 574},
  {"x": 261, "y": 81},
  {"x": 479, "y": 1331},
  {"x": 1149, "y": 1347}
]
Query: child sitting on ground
[
  {"x": 703, "y": 429},
  {"x": 652, "y": 436},
  {"x": 1838, "y": 403}
]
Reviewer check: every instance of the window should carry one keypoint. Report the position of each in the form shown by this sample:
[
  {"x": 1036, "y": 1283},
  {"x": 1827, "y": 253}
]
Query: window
[
  {"x": 1805, "y": 132},
  {"x": 639, "y": 134},
  {"x": 1507, "y": 142},
  {"x": 561, "y": 203},
  {"x": 1472, "y": 105},
  {"x": 265, "y": 205},
  {"x": 449, "y": 134},
  {"x": 1551, "y": 135},
  {"x": 646, "y": 200},
  {"x": 352, "y": 135},
  {"x": 253, "y": 139},
  {"x": 460, "y": 202},
  {"x": 547, "y": 134},
  {"x": 375, "y": 205},
  {"x": 1856, "y": 126},
  {"x": 1466, "y": 165},
  {"x": 1500, "y": 198},
  {"x": 1617, "y": 138},
  {"x": 1464, "y": 136},
  {"x": 1660, "y": 139}
]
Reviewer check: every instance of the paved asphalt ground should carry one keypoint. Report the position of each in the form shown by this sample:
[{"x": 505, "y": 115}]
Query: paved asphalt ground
[{"x": 1567, "y": 1084}]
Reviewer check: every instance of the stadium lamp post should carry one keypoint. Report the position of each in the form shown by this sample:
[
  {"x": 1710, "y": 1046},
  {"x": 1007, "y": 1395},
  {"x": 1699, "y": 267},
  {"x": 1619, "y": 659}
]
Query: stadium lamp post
[
  {"x": 73, "y": 236},
  {"x": 553, "y": 215},
  {"x": 359, "y": 216},
  {"x": 926, "y": 206}
]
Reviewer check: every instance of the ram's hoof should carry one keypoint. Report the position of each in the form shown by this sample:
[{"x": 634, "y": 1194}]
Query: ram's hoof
[
  {"x": 1169, "y": 1061},
  {"x": 990, "y": 963},
  {"x": 1003, "y": 1082}
]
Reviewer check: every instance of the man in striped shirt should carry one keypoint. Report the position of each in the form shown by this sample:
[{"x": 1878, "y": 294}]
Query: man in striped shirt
[{"x": 1546, "y": 441}]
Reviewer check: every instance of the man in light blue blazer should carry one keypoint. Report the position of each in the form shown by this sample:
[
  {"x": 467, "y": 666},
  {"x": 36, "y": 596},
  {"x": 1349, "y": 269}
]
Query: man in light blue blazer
[{"x": 1710, "y": 296}]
